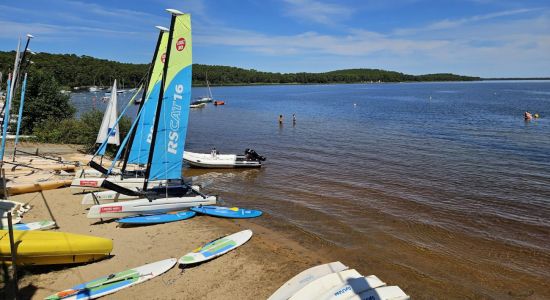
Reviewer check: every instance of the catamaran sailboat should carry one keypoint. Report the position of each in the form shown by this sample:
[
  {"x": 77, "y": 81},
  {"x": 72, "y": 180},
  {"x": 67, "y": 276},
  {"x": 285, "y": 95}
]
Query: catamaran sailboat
[{"x": 167, "y": 138}]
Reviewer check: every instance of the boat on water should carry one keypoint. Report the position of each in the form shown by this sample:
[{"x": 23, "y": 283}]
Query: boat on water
[
  {"x": 208, "y": 98},
  {"x": 197, "y": 104},
  {"x": 219, "y": 102},
  {"x": 250, "y": 159},
  {"x": 159, "y": 140}
]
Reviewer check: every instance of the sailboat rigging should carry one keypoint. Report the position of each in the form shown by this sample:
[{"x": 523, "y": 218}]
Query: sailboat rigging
[{"x": 167, "y": 141}]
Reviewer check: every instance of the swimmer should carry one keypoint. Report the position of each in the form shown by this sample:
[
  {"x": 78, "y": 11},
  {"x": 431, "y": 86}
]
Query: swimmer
[{"x": 527, "y": 116}]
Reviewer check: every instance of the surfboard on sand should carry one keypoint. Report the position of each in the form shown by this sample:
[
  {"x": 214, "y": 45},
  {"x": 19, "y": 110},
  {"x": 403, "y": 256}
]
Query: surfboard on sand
[
  {"x": 381, "y": 293},
  {"x": 216, "y": 248},
  {"x": 303, "y": 278},
  {"x": 319, "y": 287},
  {"x": 40, "y": 225},
  {"x": 227, "y": 212},
  {"x": 158, "y": 219},
  {"x": 114, "y": 282},
  {"x": 354, "y": 286}
]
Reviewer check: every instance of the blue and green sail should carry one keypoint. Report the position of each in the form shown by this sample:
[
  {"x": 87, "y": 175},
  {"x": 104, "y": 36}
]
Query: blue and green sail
[
  {"x": 139, "y": 151},
  {"x": 171, "y": 129}
]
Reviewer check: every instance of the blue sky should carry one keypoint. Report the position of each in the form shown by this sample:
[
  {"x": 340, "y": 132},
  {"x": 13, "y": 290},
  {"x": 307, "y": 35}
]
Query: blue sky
[{"x": 485, "y": 38}]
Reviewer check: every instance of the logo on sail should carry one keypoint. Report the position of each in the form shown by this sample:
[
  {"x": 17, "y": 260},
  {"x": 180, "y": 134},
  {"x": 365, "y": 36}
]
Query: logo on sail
[
  {"x": 173, "y": 136},
  {"x": 180, "y": 44}
]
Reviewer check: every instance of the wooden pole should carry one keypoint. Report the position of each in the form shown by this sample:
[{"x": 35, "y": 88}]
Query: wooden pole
[
  {"x": 3, "y": 175},
  {"x": 13, "y": 258}
]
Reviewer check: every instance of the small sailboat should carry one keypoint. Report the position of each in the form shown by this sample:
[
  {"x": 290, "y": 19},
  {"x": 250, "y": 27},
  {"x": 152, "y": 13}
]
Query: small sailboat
[
  {"x": 208, "y": 98},
  {"x": 165, "y": 143},
  {"x": 109, "y": 126},
  {"x": 250, "y": 159}
]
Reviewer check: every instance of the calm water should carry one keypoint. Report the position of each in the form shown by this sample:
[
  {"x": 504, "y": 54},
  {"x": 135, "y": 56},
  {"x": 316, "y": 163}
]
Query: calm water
[{"x": 428, "y": 173}]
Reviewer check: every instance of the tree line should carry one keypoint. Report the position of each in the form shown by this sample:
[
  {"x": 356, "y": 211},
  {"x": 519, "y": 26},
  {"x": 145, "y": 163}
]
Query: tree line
[{"x": 71, "y": 71}]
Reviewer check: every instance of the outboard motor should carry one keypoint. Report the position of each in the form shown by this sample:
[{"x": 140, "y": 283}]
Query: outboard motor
[{"x": 253, "y": 155}]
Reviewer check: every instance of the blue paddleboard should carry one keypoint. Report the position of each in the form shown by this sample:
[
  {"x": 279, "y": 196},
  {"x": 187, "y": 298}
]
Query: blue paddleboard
[
  {"x": 157, "y": 219},
  {"x": 227, "y": 212}
]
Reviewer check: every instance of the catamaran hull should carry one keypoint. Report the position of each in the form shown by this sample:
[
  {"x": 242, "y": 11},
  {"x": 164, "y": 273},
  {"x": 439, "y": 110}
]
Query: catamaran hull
[
  {"x": 111, "y": 196},
  {"x": 146, "y": 206},
  {"x": 79, "y": 185}
]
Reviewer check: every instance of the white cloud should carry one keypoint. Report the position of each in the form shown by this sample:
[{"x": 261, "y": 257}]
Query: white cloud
[
  {"x": 317, "y": 11},
  {"x": 453, "y": 23}
]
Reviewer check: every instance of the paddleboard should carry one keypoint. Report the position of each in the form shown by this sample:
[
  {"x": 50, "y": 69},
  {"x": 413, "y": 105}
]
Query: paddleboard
[
  {"x": 303, "y": 278},
  {"x": 216, "y": 248},
  {"x": 382, "y": 293},
  {"x": 40, "y": 225},
  {"x": 114, "y": 282},
  {"x": 157, "y": 219},
  {"x": 353, "y": 287},
  {"x": 315, "y": 289},
  {"x": 227, "y": 212}
]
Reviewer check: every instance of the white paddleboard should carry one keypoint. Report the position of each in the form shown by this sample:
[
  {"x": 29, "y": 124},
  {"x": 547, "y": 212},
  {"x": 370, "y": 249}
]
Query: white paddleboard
[
  {"x": 40, "y": 225},
  {"x": 323, "y": 285},
  {"x": 114, "y": 282},
  {"x": 353, "y": 287},
  {"x": 216, "y": 248},
  {"x": 303, "y": 278},
  {"x": 382, "y": 293}
]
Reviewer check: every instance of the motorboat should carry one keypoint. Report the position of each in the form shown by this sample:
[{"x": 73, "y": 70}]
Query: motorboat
[{"x": 250, "y": 159}]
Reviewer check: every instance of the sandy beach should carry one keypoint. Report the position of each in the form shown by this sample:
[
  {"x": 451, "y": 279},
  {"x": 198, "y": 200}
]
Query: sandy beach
[{"x": 253, "y": 271}]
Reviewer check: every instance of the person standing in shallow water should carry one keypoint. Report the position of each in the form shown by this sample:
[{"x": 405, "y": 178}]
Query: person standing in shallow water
[
  {"x": 280, "y": 119},
  {"x": 293, "y": 119}
]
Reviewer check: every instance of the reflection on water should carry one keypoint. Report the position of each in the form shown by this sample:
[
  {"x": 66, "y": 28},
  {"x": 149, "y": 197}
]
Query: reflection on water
[{"x": 443, "y": 184}]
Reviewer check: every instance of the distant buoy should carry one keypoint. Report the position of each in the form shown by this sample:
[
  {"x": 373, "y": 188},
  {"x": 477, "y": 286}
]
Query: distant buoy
[{"x": 354, "y": 104}]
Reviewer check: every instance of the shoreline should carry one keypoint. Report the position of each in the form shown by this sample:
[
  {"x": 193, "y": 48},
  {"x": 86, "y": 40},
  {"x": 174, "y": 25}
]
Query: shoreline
[{"x": 280, "y": 248}]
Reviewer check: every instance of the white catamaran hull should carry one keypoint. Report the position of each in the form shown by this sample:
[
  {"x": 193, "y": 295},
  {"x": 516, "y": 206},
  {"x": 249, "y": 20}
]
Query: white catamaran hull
[
  {"x": 146, "y": 206},
  {"x": 219, "y": 161},
  {"x": 112, "y": 196},
  {"x": 79, "y": 185}
]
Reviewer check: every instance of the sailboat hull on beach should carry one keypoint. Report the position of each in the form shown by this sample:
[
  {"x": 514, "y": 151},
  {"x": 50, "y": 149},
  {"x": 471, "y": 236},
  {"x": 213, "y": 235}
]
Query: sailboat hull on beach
[
  {"x": 146, "y": 206},
  {"x": 79, "y": 185}
]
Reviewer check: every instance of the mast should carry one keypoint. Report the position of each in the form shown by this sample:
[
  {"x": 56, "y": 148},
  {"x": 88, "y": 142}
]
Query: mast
[
  {"x": 143, "y": 97},
  {"x": 5, "y": 124},
  {"x": 161, "y": 96},
  {"x": 20, "y": 115}
]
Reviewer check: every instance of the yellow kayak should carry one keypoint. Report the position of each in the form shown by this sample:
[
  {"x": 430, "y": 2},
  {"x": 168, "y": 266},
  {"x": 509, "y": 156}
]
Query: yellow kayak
[{"x": 52, "y": 248}]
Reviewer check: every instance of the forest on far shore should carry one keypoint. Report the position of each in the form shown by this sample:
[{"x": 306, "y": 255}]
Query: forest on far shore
[{"x": 72, "y": 70}]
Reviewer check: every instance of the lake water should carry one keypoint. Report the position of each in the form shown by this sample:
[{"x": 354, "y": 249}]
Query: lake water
[{"x": 440, "y": 188}]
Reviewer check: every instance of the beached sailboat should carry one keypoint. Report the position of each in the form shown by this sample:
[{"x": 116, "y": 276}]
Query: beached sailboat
[
  {"x": 137, "y": 142},
  {"x": 108, "y": 131},
  {"x": 167, "y": 140}
]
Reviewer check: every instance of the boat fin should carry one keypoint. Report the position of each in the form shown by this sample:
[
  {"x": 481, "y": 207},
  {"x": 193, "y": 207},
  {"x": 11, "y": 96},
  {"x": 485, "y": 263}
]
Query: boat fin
[{"x": 120, "y": 189}]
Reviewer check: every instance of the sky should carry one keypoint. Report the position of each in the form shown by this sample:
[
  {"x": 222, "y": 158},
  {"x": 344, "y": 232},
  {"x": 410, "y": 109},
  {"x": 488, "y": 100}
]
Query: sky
[{"x": 487, "y": 38}]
